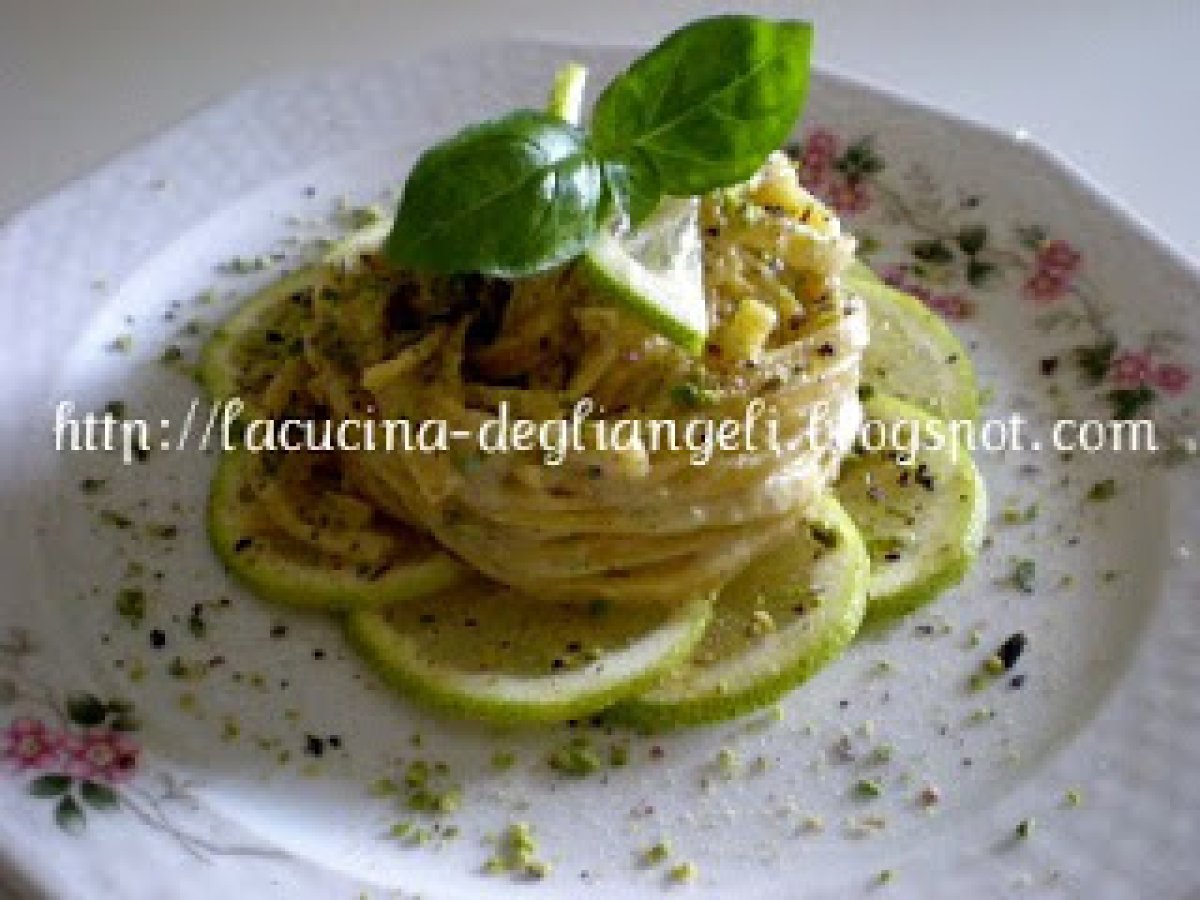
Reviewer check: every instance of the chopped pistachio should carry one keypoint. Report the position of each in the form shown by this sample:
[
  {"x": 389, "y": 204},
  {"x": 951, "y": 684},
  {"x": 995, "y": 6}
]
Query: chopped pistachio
[
  {"x": 503, "y": 760},
  {"x": 401, "y": 830},
  {"x": 1074, "y": 797},
  {"x": 1025, "y": 828},
  {"x": 692, "y": 395},
  {"x": 131, "y": 605},
  {"x": 1022, "y": 577},
  {"x": 359, "y": 217},
  {"x": 684, "y": 872},
  {"x": 245, "y": 265},
  {"x": 868, "y": 788},
  {"x": 1103, "y": 490},
  {"x": 656, "y": 853},
  {"x": 537, "y": 868},
  {"x": 727, "y": 762},
  {"x": 116, "y": 519},
  {"x": 494, "y": 865},
  {"x": 417, "y": 774},
  {"x": 384, "y": 787},
  {"x": 576, "y": 758}
]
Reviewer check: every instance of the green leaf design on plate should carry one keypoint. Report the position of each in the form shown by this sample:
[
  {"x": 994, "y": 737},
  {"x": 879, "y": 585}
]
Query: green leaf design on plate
[
  {"x": 99, "y": 796},
  {"x": 932, "y": 251},
  {"x": 978, "y": 272},
  {"x": 972, "y": 239},
  {"x": 1094, "y": 362},
  {"x": 68, "y": 815},
  {"x": 86, "y": 710},
  {"x": 52, "y": 785},
  {"x": 1128, "y": 402}
]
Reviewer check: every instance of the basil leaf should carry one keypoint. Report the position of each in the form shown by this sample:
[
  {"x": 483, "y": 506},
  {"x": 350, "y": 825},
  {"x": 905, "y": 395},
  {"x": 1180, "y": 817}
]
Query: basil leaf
[
  {"x": 705, "y": 107},
  {"x": 509, "y": 198},
  {"x": 636, "y": 190}
]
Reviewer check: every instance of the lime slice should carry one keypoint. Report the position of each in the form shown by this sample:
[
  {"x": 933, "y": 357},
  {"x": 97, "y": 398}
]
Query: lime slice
[
  {"x": 485, "y": 651},
  {"x": 311, "y": 546},
  {"x": 266, "y": 332},
  {"x": 913, "y": 355},
  {"x": 786, "y": 615},
  {"x": 922, "y": 519},
  {"x": 657, "y": 271}
]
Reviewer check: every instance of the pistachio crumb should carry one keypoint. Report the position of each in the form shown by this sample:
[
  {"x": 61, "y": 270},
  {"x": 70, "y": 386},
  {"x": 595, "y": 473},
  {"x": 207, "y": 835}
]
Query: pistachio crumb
[
  {"x": 503, "y": 760},
  {"x": 868, "y": 788},
  {"x": 656, "y": 853},
  {"x": 577, "y": 758},
  {"x": 684, "y": 872},
  {"x": 727, "y": 762}
]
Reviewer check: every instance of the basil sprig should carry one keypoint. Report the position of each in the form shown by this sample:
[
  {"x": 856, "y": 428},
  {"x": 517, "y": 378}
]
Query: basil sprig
[
  {"x": 510, "y": 197},
  {"x": 527, "y": 192}
]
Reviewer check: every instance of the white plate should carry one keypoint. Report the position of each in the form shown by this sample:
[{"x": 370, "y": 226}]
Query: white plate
[{"x": 1109, "y": 703}]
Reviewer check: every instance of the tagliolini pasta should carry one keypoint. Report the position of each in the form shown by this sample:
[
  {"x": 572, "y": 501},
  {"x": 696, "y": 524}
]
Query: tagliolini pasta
[{"x": 638, "y": 523}]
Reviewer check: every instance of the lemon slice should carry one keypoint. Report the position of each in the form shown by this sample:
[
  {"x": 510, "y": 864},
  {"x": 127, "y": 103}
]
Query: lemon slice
[
  {"x": 657, "y": 271},
  {"x": 781, "y": 619},
  {"x": 921, "y": 518},
  {"x": 912, "y": 354},
  {"x": 485, "y": 651}
]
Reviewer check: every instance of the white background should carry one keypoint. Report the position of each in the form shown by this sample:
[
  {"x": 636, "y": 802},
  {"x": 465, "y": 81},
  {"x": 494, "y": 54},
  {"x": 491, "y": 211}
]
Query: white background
[{"x": 1112, "y": 84}]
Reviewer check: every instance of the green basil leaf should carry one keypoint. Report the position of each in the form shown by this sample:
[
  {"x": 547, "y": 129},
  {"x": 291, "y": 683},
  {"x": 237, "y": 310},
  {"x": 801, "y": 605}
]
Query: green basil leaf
[
  {"x": 706, "y": 106},
  {"x": 635, "y": 188},
  {"x": 508, "y": 198}
]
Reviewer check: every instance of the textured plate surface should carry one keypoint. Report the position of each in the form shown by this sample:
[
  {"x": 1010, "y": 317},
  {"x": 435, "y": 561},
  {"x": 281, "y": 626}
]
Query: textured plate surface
[{"x": 206, "y": 781}]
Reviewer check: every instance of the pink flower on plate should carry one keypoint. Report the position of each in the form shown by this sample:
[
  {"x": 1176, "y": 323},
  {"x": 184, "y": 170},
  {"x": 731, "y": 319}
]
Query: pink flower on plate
[
  {"x": 1045, "y": 286},
  {"x": 922, "y": 293},
  {"x": 952, "y": 306},
  {"x": 894, "y": 275},
  {"x": 820, "y": 150},
  {"x": 1131, "y": 370},
  {"x": 849, "y": 197},
  {"x": 1058, "y": 257},
  {"x": 1172, "y": 378},
  {"x": 31, "y": 744},
  {"x": 101, "y": 756},
  {"x": 822, "y": 145}
]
